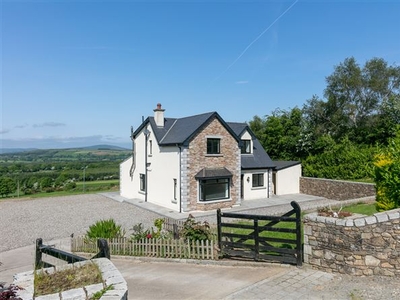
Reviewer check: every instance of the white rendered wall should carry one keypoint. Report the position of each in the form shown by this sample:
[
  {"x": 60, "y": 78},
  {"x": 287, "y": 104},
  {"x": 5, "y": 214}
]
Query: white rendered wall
[
  {"x": 288, "y": 180},
  {"x": 250, "y": 192},
  {"x": 125, "y": 180},
  {"x": 163, "y": 168}
]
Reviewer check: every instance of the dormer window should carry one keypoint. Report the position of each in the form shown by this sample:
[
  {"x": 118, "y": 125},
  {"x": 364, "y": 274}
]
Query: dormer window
[
  {"x": 213, "y": 146},
  {"x": 246, "y": 147}
]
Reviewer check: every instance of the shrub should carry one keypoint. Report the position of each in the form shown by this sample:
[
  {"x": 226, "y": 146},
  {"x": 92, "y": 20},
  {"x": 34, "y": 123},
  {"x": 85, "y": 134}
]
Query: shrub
[
  {"x": 140, "y": 233},
  {"x": 387, "y": 176},
  {"x": 70, "y": 186},
  {"x": 9, "y": 292},
  {"x": 107, "y": 229},
  {"x": 194, "y": 230}
]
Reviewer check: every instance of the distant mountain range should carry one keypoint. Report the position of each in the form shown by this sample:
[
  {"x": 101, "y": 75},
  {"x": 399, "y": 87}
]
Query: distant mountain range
[{"x": 95, "y": 147}]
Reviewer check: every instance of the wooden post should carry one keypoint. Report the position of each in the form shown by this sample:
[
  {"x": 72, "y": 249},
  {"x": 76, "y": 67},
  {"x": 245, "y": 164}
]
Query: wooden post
[
  {"x": 38, "y": 254},
  {"x": 219, "y": 231},
  {"x": 256, "y": 240},
  {"x": 175, "y": 231},
  {"x": 104, "y": 249},
  {"x": 299, "y": 246}
]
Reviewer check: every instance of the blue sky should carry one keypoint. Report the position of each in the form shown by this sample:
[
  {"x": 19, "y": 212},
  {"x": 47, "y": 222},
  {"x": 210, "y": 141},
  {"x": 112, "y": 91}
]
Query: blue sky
[{"x": 76, "y": 73}]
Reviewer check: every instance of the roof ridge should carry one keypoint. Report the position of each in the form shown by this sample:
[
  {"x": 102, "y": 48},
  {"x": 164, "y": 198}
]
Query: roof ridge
[{"x": 176, "y": 120}]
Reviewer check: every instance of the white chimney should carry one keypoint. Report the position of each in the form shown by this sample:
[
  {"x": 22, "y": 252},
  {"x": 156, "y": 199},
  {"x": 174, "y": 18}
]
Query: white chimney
[{"x": 159, "y": 115}]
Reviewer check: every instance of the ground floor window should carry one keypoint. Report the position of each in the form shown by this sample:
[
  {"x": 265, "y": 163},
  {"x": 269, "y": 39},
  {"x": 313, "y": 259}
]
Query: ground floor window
[
  {"x": 214, "y": 189},
  {"x": 258, "y": 180},
  {"x": 142, "y": 182}
]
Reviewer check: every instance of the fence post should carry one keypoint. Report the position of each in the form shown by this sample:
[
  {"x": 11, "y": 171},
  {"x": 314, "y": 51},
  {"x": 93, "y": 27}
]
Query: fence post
[
  {"x": 103, "y": 247},
  {"x": 175, "y": 231},
  {"x": 299, "y": 246},
  {"x": 219, "y": 230},
  {"x": 38, "y": 254}
]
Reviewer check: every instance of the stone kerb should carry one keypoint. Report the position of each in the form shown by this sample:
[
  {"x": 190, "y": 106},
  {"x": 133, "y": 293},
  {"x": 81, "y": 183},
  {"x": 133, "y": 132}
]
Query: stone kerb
[
  {"x": 110, "y": 274},
  {"x": 361, "y": 246}
]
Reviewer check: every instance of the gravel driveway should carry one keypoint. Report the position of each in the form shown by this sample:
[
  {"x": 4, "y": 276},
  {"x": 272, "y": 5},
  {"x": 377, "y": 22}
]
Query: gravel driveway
[{"x": 23, "y": 221}]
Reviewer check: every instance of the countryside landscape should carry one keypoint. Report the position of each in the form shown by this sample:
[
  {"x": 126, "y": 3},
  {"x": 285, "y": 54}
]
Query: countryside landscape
[
  {"x": 200, "y": 150},
  {"x": 37, "y": 172}
]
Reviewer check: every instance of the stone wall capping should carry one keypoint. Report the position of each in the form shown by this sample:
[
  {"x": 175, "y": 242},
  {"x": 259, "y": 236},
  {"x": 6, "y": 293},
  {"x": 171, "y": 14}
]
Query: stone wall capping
[
  {"x": 321, "y": 219},
  {"x": 393, "y": 214},
  {"x": 382, "y": 217},
  {"x": 349, "y": 223},
  {"x": 340, "y": 222},
  {"x": 359, "y": 222},
  {"x": 370, "y": 220}
]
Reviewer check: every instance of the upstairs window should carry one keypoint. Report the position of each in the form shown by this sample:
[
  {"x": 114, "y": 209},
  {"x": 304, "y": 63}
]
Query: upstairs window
[
  {"x": 246, "y": 147},
  {"x": 213, "y": 146},
  {"x": 258, "y": 180}
]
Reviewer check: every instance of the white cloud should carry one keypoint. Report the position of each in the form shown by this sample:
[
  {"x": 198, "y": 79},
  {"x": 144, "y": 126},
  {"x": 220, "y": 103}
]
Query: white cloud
[
  {"x": 242, "y": 82},
  {"x": 48, "y": 124}
]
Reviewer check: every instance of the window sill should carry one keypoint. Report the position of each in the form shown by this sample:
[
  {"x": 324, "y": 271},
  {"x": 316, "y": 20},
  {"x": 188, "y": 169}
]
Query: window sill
[
  {"x": 214, "y": 155},
  {"x": 259, "y": 188},
  {"x": 214, "y": 201}
]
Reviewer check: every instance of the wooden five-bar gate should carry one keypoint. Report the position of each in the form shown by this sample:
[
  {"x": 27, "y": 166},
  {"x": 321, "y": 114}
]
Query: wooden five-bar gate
[{"x": 262, "y": 238}]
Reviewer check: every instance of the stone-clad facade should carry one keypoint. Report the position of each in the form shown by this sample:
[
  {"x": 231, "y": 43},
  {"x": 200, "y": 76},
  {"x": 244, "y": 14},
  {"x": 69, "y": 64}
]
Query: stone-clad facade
[
  {"x": 198, "y": 159},
  {"x": 362, "y": 246}
]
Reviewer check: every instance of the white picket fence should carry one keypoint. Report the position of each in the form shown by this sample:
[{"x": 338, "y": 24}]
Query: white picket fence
[{"x": 166, "y": 248}]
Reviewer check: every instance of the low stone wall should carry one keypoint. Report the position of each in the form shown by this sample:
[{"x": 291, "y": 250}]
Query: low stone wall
[
  {"x": 110, "y": 274},
  {"x": 362, "y": 246},
  {"x": 336, "y": 189}
]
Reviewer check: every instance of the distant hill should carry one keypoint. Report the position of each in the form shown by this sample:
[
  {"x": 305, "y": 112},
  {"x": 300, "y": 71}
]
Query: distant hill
[
  {"x": 89, "y": 154},
  {"x": 105, "y": 147},
  {"x": 15, "y": 150},
  {"x": 95, "y": 147}
]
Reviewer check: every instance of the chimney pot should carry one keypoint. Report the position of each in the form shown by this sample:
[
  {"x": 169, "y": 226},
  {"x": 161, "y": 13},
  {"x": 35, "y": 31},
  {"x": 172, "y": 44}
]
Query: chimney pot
[{"x": 158, "y": 105}]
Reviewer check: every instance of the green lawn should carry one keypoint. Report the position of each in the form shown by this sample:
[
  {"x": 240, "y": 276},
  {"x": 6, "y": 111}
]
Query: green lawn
[{"x": 362, "y": 208}]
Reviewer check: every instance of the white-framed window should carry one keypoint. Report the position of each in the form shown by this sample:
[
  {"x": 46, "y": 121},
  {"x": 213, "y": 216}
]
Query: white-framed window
[
  {"x": 150, "y": 147},
  {"x": 142, "y": 182},
  {"x": 214, "y": 189},
  {"x": 213, "y": 146},
  {"x": 175, "y": 188},
  {"x": 258, "y": 180},
  {"x": 246, "y": 147}
]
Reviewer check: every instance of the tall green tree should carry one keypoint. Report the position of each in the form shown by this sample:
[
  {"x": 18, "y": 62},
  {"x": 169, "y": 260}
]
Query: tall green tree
[
  {"x": 355, "y": 98},
  {"x": 280, "y": 133}
]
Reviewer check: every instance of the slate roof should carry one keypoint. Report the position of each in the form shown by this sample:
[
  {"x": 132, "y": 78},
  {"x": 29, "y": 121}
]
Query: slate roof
[
  {"x": 180, "y": 131},
  {"x": 208, "y": 173},
  {"x": 283, "y": 164}
]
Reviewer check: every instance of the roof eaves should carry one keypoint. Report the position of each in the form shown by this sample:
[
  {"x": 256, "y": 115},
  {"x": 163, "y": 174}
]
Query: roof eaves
[{"x": 139, "y": 129}]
